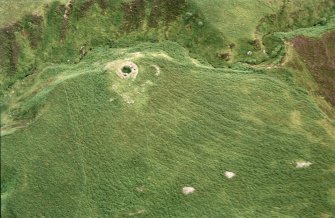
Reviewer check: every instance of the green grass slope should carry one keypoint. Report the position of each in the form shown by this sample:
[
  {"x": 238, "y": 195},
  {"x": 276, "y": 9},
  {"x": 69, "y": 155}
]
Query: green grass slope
[
  {"x": 241, "y": 86},
  {"x": 102, "y": 146}
]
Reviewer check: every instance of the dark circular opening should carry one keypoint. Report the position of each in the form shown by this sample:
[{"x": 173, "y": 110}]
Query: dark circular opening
[{"x": 126, "y": 69}]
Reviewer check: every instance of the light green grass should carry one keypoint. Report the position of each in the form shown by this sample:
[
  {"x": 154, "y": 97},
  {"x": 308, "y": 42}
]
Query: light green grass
[
  {"x": 237, "y": 19},
  {"x": 89, "y": 151}
]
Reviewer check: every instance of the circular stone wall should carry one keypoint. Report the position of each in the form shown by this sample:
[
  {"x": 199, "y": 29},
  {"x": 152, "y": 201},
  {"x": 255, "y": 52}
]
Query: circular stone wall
[{"x": 127, "y": 70}]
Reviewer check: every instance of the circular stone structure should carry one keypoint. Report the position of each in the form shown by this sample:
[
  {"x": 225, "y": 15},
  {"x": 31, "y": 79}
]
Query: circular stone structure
[{"x": 127, "y": 70}]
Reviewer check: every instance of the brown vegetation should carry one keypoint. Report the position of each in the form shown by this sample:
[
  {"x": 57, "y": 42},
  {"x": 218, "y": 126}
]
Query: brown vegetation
[
  {"x": 85, "y": 7},
  {"x": 168, "y": 10},
  {"x": 224, "y": 56},
  {"x": 319, "y": 56},
  {"x": 134, "y": 12},
  {"x": 9, "y": 48}
]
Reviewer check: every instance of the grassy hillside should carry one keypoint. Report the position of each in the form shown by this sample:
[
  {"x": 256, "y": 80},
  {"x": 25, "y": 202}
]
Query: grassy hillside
[
  {"x": 92, "y": 153},
  {"x": 240, "y": 86},
  {"x": 65, "y": 33}
]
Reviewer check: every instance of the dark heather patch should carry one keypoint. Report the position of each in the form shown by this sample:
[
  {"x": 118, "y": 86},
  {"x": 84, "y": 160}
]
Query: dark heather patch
[
  {"x": 103, "y": 4},
  {"x": 319, "y": 56},
  {"x": 9, "y": 48},
  {"x": 32, "y": 25},
  {"x": 134, "y": 14},
  {"x": 55, "y": 22},
  {"x": 14, "y": 54},
  {"x": 165, "y": 10},
  {"x": 64, "y": 28},
  {"x": 85, "y": 7},
  {"x": 65, "y": 25}
]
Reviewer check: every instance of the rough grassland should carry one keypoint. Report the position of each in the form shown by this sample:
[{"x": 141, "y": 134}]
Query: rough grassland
[
  {"x": 243, "y": 86},
  {"x": 101, "y": 156}
]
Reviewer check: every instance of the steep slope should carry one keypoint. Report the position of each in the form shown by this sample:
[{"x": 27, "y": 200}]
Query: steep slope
[{"x": 320, "y": 58}]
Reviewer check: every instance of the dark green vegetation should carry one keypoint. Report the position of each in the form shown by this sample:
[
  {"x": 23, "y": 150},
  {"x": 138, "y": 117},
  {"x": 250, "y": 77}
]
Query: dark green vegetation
[
  {"x": 241, "y": 86},
  {"x": 126, "y": 69}
]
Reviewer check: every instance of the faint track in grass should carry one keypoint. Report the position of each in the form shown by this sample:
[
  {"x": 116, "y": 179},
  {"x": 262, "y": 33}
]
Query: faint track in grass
[{"x": 81, "y": 155}]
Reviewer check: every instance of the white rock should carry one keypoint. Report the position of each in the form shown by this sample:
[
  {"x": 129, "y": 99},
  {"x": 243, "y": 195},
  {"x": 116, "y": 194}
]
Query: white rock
[
  {"x": 229, "y": 175},
  {"x": 188, "y": 190},
  {"x": 303, "y": 164}
]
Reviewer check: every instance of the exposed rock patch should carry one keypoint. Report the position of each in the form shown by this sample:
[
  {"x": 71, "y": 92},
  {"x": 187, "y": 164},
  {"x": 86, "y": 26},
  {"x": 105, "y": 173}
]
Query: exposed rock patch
[
  {"x": 303, "y": 164},
  {"x": 140, "y": 189},
  {"x": 188, "y": 190},
  {"x": 158, "y": 70},
  {"x": 137, "y": 213},
  {"x": 229, "y": 175}
]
